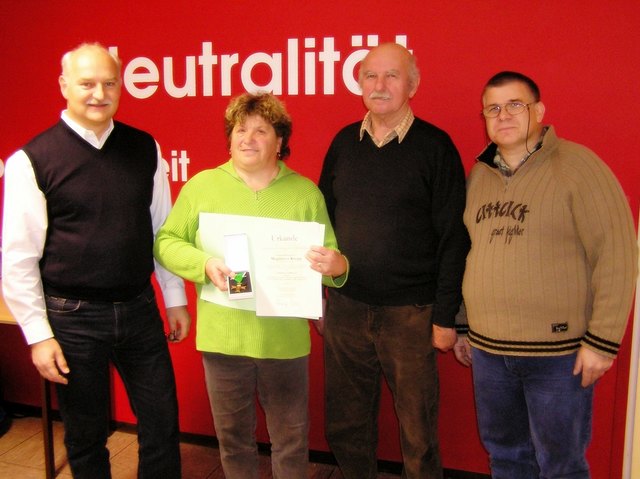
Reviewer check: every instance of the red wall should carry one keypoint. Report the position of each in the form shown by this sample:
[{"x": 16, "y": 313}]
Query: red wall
[{"x": 584, "y": 55}]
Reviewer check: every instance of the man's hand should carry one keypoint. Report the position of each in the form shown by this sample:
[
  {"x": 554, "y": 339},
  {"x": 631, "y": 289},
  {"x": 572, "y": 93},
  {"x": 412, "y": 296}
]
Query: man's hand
[
  {"x": 462, "y": 350},
  {"x": 179, "y": 323},
  {"x": 48, "y": 359},
  {"x": 443, "y": 338},
  {"x": 592, "y": 366}
]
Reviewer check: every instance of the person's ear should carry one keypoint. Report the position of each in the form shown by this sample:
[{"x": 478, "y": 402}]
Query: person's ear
[
  {"x": 414, "y": 87},
  {"x": 63, "y": 86},
  {"x": 539, "y": 111}
]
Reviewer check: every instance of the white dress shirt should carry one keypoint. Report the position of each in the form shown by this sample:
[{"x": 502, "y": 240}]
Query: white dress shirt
[{"x": 24, "y": 232}]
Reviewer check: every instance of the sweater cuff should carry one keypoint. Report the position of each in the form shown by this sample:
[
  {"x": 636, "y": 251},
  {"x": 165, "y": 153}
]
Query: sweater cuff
[
  {"x": 600, "y": 345},
  {"x": 462, "y": 329}
]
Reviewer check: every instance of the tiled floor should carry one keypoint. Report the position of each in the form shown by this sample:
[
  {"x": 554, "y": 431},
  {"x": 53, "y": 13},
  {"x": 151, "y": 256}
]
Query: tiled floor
[{"x": 22, "y": 456}]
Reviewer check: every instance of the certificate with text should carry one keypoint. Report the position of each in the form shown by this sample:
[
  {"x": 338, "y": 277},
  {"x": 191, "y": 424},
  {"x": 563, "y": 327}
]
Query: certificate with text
[{"x": 283, "y": 281}]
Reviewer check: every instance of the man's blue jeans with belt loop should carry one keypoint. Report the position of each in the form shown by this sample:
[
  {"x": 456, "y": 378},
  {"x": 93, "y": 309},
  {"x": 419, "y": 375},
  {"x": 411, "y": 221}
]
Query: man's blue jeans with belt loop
[{"x": 534, "y": 416}]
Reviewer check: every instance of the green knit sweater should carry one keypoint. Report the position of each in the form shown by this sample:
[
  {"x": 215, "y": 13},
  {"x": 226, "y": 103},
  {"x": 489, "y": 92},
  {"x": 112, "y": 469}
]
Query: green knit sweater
[
  {"x": 553, "y": 259},
  {"x": 178, "y": 248}
]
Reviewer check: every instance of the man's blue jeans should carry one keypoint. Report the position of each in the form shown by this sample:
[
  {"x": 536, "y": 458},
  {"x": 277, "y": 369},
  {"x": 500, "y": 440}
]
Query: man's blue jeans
[
  {"x": 130, "y": 335},
  {"x": 534, "y": 416}
]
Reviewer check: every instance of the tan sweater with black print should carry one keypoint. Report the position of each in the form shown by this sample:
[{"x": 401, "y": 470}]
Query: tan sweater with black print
[{"x": 553, "y": 261}]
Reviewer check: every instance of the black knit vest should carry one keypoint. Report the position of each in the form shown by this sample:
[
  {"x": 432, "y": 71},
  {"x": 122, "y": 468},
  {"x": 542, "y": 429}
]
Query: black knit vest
[{"x": 99, "y": 243}]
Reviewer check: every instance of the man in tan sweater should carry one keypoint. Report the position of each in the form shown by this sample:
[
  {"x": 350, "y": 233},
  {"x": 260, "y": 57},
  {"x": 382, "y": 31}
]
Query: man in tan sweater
[{"x": 548, "y": 286}]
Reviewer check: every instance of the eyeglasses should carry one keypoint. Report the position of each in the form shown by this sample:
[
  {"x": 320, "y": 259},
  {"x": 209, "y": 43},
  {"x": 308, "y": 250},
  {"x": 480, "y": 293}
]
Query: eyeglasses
[{"x": 513, "y": 108}]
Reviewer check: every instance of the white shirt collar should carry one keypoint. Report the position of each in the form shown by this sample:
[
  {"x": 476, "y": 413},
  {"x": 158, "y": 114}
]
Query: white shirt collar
[{"x": 88, "y": 135}]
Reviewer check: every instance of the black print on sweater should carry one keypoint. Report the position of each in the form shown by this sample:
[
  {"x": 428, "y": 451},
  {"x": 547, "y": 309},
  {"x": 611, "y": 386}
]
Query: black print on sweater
[
  {"x": 517, "y": 211},
  {"x": 510, "y": 210},
  {"x": 509, "y": 233}
]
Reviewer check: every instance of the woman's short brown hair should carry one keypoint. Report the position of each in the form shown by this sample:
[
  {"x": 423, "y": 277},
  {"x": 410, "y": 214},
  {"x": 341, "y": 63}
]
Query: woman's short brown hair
[{"x": 265, "y": 105}]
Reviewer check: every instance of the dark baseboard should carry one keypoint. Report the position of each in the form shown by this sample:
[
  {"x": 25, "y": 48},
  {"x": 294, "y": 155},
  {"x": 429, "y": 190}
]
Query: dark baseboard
[
  {"x": 322, "y": 457},
  {"x": 24, "y": 410},
  {"x": 455, "y": 474}
]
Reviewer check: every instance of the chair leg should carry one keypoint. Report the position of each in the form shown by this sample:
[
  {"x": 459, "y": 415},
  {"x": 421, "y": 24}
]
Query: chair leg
[{"x": 47, "y": 430}]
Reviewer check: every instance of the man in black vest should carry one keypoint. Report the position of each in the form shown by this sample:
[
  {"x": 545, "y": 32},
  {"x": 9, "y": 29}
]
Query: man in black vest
[
  {"x": 82, "y": 203},
  {"x": 394, "y": 187}
]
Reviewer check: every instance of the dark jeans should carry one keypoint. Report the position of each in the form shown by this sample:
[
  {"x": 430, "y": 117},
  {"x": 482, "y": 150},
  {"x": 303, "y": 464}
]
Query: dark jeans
[
  {"x": 534, "y": 416},
  {"x": 282, "y": 386},
  {"x": 131, "y": 336},
  {"x": 362, "y": 342}
]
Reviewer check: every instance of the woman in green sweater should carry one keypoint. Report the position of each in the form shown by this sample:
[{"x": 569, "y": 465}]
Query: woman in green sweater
[{"x": 244, "y": 353}]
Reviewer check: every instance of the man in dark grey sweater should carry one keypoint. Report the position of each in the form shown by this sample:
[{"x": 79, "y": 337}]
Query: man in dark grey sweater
[{"x": 394, "y": 188}]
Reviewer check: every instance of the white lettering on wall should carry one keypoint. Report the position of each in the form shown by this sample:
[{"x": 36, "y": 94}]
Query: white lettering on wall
[
  {"x": 141, "y": 71},
  {"x": 274, "y": 62},
  {"x": 207, "y": 60},
  {"x": 142, "y": 75},
  {"x": 209, "y": 72},
  {"x": 189, "y": 88},
  {"x": 292, "y": 66},
  {"x": 178, "y": 168}
]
